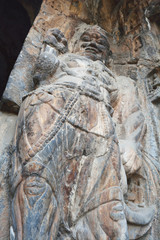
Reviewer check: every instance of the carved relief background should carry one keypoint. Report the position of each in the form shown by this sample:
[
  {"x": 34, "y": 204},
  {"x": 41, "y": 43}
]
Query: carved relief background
[{"x": 80, "y": 123}]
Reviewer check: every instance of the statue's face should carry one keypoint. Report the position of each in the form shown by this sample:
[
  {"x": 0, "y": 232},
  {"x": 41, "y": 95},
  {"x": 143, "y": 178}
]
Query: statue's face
[{"x": 93, "y": 44}]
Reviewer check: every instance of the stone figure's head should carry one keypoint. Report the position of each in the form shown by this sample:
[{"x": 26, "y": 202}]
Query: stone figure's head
[{"x": 93, "y": 44}]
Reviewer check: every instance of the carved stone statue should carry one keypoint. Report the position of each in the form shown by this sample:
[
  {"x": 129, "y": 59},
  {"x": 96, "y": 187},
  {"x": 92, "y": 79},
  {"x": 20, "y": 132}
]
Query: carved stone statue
[
  {"x": 68, "y": 180},
  {"x": 154, "y": 86}
]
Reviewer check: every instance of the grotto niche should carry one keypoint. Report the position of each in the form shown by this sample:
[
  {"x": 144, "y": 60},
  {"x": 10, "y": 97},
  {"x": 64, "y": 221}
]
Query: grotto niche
[{"x": 80, "y": 124}]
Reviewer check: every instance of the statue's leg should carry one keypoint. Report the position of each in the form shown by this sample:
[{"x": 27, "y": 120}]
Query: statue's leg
[
  {"x": 101, "y": 213},
  {"x": 106, "y": 220},
  {"x": 113, "y": 221},
  {"x": 35, "y": 212}
]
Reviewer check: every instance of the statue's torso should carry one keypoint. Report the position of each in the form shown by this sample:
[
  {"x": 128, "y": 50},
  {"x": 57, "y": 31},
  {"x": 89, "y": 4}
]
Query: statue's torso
[
  {"x": 78, "y": 85},
  {"x": 66, "y": 120}
]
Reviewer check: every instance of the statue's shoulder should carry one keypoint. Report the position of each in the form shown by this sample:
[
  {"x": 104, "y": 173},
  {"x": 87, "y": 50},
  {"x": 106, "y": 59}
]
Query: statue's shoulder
[
  {"x": 40, "y": 90},
  {"x": 103, "y": 68},
  {"x": 125, "y": 82}
]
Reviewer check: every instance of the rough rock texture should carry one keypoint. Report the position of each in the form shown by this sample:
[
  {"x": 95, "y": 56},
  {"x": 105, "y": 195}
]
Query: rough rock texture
[
  {"x": 16, "y": 18},
  {"x": 15, "y": 25},
  {"x": 7, "y": 128},
  {"x": 85, "y": 156}
]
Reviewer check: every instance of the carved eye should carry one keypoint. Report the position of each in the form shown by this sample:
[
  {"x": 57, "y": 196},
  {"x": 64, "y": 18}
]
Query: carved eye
[
  {"x": 101, "y": 42},
  {"x": 85, "y": 38}
]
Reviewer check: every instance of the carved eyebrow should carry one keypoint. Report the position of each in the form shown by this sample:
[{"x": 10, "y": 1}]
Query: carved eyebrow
[{"x": 85, "y": 34}]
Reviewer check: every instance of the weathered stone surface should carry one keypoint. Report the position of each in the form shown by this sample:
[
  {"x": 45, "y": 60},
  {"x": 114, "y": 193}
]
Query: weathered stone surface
[
  {"x": 6, "y": 136},
  {"x": 15, "y": 25},
  {"x": 92, "y": 171},
  {"x": 70, "y": 160},
  {"x": 20, "y": 81}
]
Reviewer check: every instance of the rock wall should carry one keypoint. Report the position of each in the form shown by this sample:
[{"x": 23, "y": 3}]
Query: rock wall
[{"x": 133, "y": 67}]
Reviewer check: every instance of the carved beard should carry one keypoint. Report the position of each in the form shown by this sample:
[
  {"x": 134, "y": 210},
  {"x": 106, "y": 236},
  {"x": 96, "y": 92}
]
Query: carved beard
[{"x": 93, "y": 55}]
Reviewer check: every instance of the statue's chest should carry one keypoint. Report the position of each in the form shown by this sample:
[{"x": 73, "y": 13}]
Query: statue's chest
[{"x": 46, "y": 113}]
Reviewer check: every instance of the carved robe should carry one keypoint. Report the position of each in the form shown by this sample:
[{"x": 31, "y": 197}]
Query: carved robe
[{"x": 66, "y": 137}]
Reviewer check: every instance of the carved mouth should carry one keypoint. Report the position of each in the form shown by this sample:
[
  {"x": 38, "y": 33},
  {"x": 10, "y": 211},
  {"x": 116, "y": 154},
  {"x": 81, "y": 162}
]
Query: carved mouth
[{"x": 91, "y": 50}]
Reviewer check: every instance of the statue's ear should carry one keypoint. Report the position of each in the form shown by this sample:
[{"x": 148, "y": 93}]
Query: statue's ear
[{"x": 108, "y": 57}]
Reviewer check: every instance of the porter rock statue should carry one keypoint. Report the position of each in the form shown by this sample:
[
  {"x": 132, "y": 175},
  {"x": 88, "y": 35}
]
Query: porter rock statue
[{"x": 68, "y": 180}]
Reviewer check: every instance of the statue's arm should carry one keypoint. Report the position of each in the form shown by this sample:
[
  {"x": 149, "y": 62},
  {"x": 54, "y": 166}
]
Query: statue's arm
[
  {"x": 132, "y": 127},
  {"x": 47, "y": 62}
]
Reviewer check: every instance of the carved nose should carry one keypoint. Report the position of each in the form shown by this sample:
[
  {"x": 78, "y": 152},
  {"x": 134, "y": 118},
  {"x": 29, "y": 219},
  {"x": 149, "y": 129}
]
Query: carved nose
[{"x": 92, "y": 44}]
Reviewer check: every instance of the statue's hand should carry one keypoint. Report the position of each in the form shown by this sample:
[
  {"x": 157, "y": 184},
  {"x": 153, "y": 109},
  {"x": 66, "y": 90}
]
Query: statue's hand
[
  {"x": 56, "y": 39},
  {"x": 130, "y": 155},
  {"x": 46, "y": 65}
]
